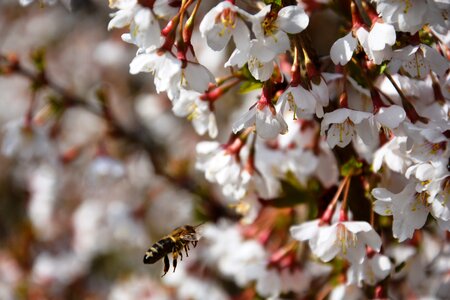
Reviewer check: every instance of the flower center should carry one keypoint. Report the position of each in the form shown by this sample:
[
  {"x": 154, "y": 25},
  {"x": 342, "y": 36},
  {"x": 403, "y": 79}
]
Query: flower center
[
  {"x": 269, "y": 25},
  {"x": 421, "y": 198},
  {"x": 194, "y": 112},
  {"x": 344, "y": 128},
  {"x": 228, "y": 20},
  {"x": 345, "y": 238}
]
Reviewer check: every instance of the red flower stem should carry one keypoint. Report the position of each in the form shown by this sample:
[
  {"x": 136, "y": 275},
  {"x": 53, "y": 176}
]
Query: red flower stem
[{"x": 328, "y": 214}]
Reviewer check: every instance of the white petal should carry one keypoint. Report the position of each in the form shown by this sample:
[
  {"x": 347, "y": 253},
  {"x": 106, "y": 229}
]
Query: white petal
[
  {"x": 391, "y": 116},
  {"x": 267, "y": 126},
  {"x": 218, "y": 37},
  {"x": 292, "y": 19},
  {"x": 305, "y": 231},
  {"x": 212, "y": 126},
  {"x": 342, "y": 50},
  {"x": 404, "y": 225},
  {"x": 383, "y": 208},
  {"x": 355, "y": 253},
  {"x": 358, "y": 226},
  {"x": 339, "y": 136},
  {"x": 142, "y": 63},
  {"x": 304, "y": 99},
  {"x": 261, "y": 71},
  {"x": 238, "y": 58},
  {"x": 198, "y": 77},
  {"x": 358, "y": 116},
  {"x": 380, "y": 35},
  {"x": 246, "y": 120},
  {"x": 163, "y": 10},
  {"x": 372, "y": 239},
  {"x": 381, "y": 266},
  {"x": 121, "y": 19},
  {"x": 206, "y": 147},
  {"x": 438, "y": 64},
  {"x": 241, "y": 35},
  {"x": 335, "y": 117},
  {"x": 327, "y": 245}
]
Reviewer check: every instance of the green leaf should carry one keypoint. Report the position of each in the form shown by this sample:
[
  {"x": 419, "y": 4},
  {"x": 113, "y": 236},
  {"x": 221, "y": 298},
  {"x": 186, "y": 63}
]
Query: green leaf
[
  {"x": 383, "y": 68},
  {"x": 276, "y": 2},
  {"x": 249, "y": 86},
  {"x": 351, "y": 167},
  {"x": 38, "y": 59}
]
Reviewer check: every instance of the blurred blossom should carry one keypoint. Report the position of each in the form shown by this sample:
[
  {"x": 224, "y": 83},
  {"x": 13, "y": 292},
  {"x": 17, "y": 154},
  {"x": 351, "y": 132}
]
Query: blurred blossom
[
  {"x": 27, "y": 143},
  {"x": 100, "y": 225},
  {"x": 320, "y": 122},
  {"x": 192, "y": 287},
  {"x": 60, "y": 269},
  {"x": 168, "y": 209},
  {"x": 138, "y": 288},
  {"x": 104, "y": 168},
  {"x": 43, "y": 186},
  {"x": 27, "y": 2},
  {"x": 110, "y": 54},
  {"x": 343, "y": 291},
  {"x": 10, "y": 276}
]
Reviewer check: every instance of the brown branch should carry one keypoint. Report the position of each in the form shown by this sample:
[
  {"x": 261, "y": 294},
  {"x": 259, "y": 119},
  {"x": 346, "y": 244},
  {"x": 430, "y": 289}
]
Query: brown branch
[{"x": 139, "y": 135}]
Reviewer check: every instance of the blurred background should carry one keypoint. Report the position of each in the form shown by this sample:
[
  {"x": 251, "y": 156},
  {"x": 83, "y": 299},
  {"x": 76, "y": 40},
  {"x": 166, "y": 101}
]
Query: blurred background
[
  {"x": 80, "y": 202},
  {"x": 96, "y": 168}
]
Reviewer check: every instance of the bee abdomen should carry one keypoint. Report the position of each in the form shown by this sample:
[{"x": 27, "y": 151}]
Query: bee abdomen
[{"x": 158, "y": 250}]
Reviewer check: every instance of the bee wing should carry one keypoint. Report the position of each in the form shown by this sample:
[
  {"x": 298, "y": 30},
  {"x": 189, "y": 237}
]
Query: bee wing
[{"x": 191, "y": 237}]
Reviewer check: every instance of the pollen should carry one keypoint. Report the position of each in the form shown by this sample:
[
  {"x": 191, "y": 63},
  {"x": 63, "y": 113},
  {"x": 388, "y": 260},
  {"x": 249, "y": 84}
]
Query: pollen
[
  {"x": 228, "y": 20},
  {"x": 345, "y": 238},
  {"x": 421, "y": 198},
  {"x": 269, "y": 25},
  {"x": 408, "y": 5},
  {"x": 193, "y": 112}
]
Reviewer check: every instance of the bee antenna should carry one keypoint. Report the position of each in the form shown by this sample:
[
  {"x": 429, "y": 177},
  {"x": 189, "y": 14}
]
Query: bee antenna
[{"x": 196, "y": 226}]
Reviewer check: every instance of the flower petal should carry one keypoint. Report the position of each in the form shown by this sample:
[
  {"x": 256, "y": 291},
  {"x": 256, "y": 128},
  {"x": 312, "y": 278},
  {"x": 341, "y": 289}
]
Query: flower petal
[
  {"x": 391, "y": 116},
  {"x": 342, "y": 50},
  {"x": 292, "y": 19}
]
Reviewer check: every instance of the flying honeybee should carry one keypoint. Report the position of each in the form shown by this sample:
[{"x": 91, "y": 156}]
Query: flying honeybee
[{"x": 174, "y": 243}]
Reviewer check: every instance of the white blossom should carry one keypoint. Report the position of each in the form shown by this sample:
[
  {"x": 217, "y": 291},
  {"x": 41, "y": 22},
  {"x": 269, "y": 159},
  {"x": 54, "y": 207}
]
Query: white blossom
[{"x": 348, "y": 239}]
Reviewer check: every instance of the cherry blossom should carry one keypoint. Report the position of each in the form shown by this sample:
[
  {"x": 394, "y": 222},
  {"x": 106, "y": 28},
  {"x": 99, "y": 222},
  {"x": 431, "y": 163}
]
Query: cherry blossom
[
  {"x": 188, "y": 104},
  {"x": 268, "y": 119},
  {"x": 222, "y": 167},
  {"x": 408, "y": 208},
  {"x": 348, "y": 239},
  {"x": 371, "y": 271},
  {"x": 405, "y": 16},
  {"x": 223, "y": 22},
  {"x": 271, "y": 31},
  {"x": 98, "y": 165},
  {"x": 343, "y": 125},
  {"x": 164, "y": 66},
  {"x": 418, "y": 61},
  {"x": 376, "y": 43}
]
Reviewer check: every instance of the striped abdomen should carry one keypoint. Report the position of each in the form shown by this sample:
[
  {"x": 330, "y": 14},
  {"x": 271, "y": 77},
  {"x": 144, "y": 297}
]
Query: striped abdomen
[{"x": 158, "y": 250}]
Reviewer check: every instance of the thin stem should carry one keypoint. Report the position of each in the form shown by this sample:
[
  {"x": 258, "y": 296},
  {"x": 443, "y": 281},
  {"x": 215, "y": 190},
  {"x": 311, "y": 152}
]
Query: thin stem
[
  {"x": 397, "y": 88},
  {"x": 327, "y": 215},
  {"x": 344, "y": 201},
  {"x": 409, "y": 108}
]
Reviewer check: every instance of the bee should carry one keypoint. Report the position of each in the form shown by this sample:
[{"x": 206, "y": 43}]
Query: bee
[{"x": 174, "y": 243}]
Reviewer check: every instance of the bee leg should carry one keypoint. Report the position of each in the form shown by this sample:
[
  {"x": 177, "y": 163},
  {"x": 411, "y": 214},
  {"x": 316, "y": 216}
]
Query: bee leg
[
  {"x": 194, "y": 243},
  {"x": 174, "y": 261},
  {"x": 166, "y": 265},
  {"x": 181, "y": 255},
  {"x": 186, "y": 248}
]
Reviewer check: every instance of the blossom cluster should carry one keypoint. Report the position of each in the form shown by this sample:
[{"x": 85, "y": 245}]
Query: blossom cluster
[{"x": 327, "y": 159}]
